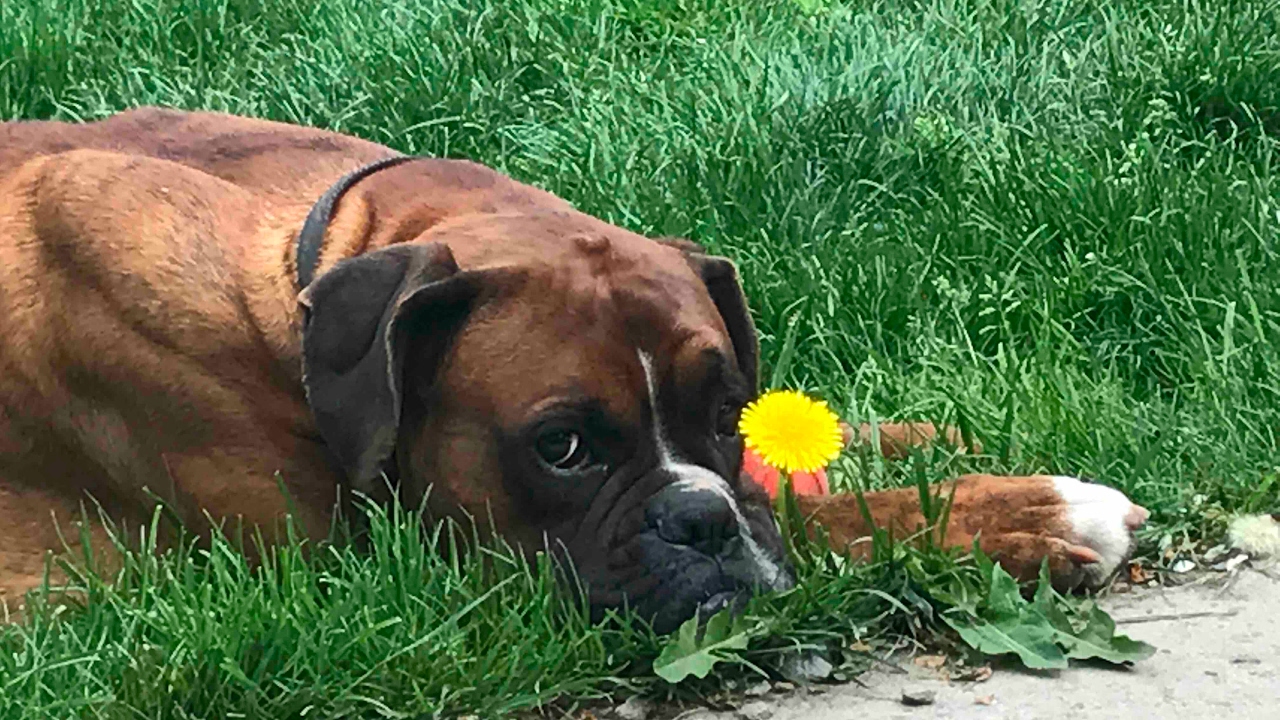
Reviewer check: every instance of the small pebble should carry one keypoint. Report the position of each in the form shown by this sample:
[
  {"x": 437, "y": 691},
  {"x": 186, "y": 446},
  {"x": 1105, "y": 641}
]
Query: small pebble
[
  {"x": 635, "y": 708},
  {"x": 806, "y": 667},
  {"x": 916, "y": 698},
  {"x": 755, "y": 710},
  {"x": 760, "y": 689}
]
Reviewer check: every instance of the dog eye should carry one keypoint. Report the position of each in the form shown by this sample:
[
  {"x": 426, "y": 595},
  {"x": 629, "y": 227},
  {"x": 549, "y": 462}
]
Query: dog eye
[
  {"x": 727, "y": 420},
  {"x": 563, "y": 450}
]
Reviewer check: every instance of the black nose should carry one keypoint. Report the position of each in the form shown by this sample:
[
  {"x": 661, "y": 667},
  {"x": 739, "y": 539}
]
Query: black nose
[{"x": 697, "y": 517}]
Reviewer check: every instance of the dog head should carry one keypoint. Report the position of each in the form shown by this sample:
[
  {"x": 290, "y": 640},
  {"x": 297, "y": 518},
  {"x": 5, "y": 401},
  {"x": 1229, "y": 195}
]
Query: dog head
[{"x": 575, "y": 383}]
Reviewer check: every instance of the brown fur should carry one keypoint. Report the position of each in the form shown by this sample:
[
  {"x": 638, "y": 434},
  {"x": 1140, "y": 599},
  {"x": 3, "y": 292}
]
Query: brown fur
[{"x": 897, "y": 439}]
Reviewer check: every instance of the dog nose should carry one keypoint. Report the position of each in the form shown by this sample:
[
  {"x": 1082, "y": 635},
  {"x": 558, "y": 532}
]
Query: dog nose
[{"x": 700, "y": 518}]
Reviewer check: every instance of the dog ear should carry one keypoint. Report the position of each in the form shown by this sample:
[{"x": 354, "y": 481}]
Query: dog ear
[
  {"x": 357, "y": 319},
  {"x": 720, "y": 276}
]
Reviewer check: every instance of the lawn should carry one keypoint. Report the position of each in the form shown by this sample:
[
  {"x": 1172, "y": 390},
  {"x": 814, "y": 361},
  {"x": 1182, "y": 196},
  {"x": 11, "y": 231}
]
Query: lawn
[{"x": 1053, "y": 222}]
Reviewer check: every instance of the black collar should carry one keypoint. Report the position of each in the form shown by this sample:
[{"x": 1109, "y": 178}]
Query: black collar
[{"x": 311, "y": 236}]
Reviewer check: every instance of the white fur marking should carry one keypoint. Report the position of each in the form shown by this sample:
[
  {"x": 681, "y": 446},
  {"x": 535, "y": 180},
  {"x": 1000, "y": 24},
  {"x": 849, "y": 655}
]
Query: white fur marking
[
  {"x": 665, "y": 456},
  {"x": 693, "y": 478},
  {"x": 1096, "y": 515}
]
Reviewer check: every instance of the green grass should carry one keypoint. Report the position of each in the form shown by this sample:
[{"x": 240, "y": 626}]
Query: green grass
[
  {"x": 414, "y": 625},
  {"x": 1054, "y": 222}
]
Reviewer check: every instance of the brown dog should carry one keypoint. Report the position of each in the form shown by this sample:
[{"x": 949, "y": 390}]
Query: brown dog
[{"x": 169, "y": 327}]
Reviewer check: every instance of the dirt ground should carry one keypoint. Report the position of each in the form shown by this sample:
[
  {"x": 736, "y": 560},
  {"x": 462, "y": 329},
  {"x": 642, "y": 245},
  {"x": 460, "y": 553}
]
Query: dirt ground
[{"x": 1218, "y": 656}]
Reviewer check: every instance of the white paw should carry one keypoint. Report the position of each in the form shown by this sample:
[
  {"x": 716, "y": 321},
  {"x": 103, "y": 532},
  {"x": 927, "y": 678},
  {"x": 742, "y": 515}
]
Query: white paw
[{"x": 1102, "y": 519}]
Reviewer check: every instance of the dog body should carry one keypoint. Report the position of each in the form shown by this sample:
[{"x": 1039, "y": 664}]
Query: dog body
[{"x": 574, "y": 382}]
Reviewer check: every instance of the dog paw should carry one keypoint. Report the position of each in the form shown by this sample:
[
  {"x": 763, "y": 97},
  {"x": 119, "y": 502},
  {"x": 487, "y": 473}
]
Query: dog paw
[
  {"x": 1100, "y": 522},
  {"x": 1085, "y": 530}
]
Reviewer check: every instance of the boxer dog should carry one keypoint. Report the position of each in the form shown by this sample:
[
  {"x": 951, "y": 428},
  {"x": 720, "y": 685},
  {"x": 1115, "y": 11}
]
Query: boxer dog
[{"x": 199, "y": 308}]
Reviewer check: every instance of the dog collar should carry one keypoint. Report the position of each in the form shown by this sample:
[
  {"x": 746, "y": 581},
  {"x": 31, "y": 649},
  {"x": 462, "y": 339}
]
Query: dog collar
[{"x": 311, "y": 236}]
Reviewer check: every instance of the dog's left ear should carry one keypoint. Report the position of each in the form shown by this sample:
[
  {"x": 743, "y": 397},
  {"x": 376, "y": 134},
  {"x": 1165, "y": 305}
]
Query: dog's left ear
[
  {"x": 360, "y": 319},
  {"x": 721, "y": 278}
]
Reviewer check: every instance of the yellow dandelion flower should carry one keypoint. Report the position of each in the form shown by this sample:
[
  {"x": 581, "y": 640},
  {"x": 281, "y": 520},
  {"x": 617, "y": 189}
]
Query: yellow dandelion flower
[{"x": 791, "y": 431}]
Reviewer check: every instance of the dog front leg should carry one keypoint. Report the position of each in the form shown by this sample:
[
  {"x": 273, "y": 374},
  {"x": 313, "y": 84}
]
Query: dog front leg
[{"x": 1084, "y": 529}]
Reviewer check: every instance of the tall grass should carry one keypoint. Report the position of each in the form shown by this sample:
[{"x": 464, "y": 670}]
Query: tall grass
[
  {"x": 411, "y": 625},
  {"x": 1053, "y": 221},
  {"x": 420, "y": 621}
]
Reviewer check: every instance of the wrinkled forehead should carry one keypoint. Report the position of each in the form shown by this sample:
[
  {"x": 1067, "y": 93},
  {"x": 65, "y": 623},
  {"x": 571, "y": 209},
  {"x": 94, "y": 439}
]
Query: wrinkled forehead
[{"x": 574, "y": 327}]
